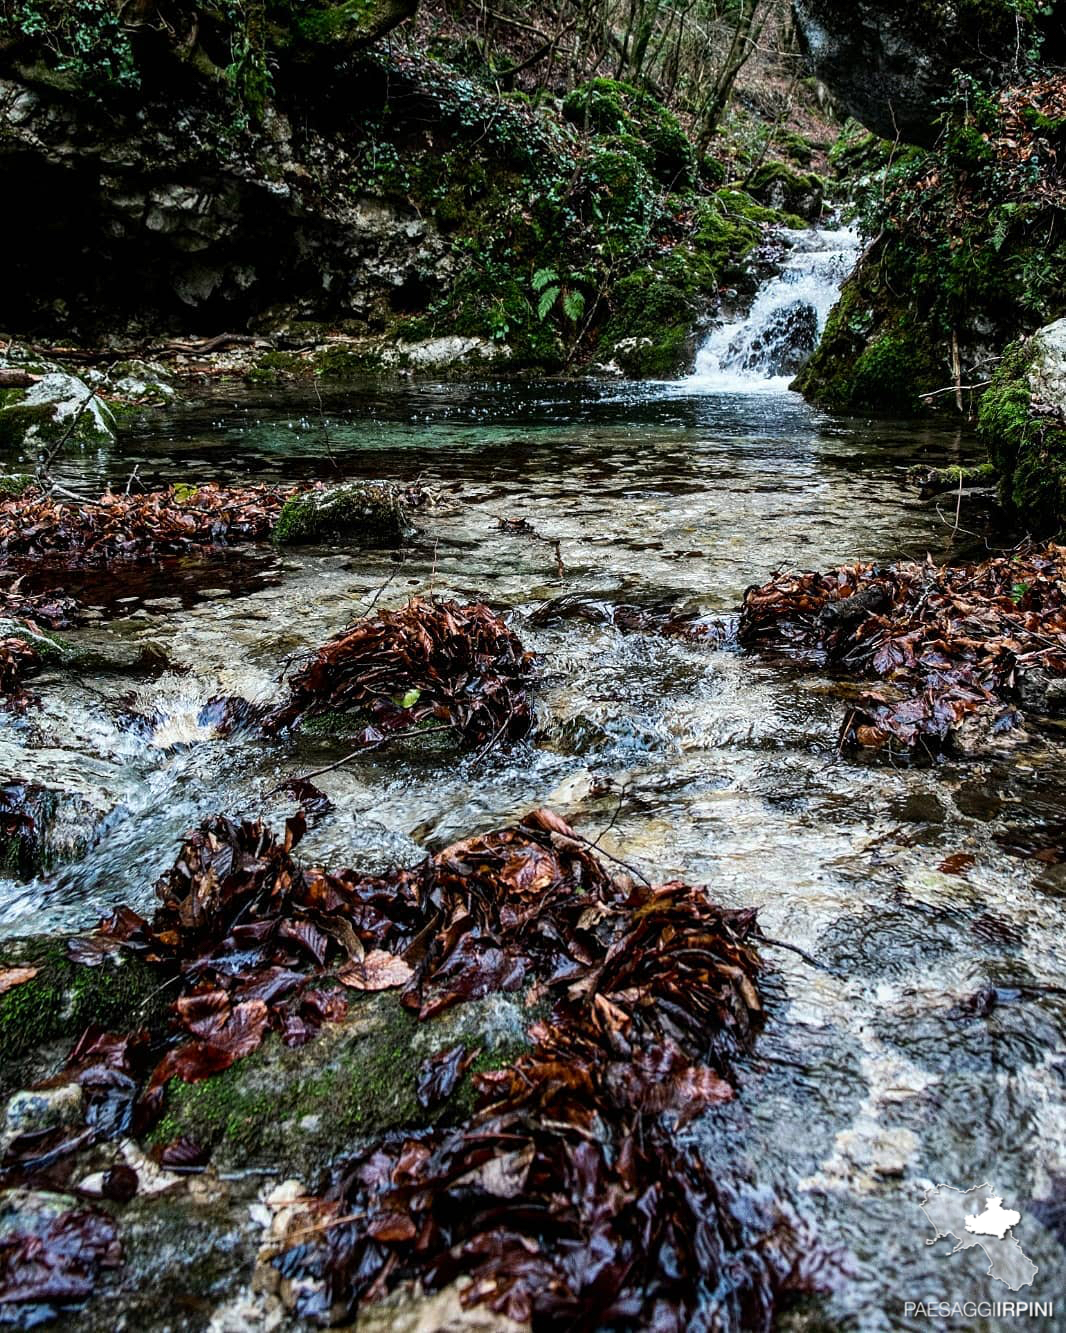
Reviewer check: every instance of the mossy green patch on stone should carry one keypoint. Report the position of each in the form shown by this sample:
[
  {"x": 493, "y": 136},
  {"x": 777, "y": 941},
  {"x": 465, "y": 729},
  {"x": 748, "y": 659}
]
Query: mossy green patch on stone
[
  {"x": 1026, "y": 441},
  {"x": 297, "y": 1108},
  {"x": 370, "y": 512},
  {"x": 65, "y": 998},
  {"x": 789, "y": 191}
]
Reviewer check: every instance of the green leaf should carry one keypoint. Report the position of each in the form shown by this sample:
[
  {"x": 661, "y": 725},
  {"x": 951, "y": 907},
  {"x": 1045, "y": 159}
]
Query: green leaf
[
  {"x": 573, "y": 306},
  {"x": 547, "y": 300},
  {"x": 542, "y": 277},
  {"x": 183, "y": 491},
  {"x": 410, "y": 698}
]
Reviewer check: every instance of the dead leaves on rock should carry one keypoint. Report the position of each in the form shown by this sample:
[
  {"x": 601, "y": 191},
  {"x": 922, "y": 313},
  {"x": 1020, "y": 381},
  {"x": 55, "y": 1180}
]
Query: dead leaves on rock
[
  {"x": 568, "y": 1186},
  {"x": 51, "y": 1263},
  {"x": 562, "y": 1196},
  {"x": 10, "y": 977},
  {"x": 947, "y": 642},
  {"x": 431, "y": 663}
]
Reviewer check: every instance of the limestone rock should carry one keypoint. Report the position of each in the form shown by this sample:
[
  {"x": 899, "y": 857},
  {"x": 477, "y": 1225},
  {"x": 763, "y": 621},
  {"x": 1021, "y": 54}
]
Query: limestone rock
[{"x": 57, "y": 403}]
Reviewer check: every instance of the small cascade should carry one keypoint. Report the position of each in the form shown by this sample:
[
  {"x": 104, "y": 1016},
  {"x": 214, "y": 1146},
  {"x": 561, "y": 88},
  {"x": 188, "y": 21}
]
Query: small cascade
[{"x": 763, "y": 350}]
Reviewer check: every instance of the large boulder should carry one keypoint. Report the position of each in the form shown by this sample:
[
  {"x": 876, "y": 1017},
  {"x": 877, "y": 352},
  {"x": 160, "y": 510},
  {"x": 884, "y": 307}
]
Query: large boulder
[
  {"x": 890, "y": 64},
  {"x": 56, "y": 406},
  {"x": 1023, "y": 422}
]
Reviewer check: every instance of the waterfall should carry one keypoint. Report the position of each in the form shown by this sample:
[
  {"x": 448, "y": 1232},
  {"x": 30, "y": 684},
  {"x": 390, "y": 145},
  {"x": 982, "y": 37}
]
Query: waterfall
[{"x": 764, "y": 349}]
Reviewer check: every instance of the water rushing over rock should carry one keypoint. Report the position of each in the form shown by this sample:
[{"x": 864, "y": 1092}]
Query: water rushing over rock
[
  {"x": 926, "y": 1047},
  {"x": 764, "y": 348}
]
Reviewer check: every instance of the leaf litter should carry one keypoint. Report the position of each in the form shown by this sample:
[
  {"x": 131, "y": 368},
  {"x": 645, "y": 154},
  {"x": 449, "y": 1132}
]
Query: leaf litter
[
  {"x": 431, "y": 662},
  {"x": 947, "y": 642},
  {"x": 567, "y": 1196}
]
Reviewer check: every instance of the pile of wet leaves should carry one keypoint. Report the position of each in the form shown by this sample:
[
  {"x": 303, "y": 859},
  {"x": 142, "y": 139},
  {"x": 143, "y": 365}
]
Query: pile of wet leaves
[
  {"x": 132, "y": 526},
  {"x": 948, "y": 642},
  {"x": 430, "y": 666},
  {"x": 567, "y": 1197}
]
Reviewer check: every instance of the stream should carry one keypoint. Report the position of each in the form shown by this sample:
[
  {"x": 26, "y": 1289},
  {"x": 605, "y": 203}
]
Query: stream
[{"x": 879, "y": 1073}]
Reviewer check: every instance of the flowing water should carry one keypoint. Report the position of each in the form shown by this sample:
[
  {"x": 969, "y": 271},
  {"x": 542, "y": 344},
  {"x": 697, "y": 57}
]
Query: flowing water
[
  {"x": 764, "y": 349},
  {"x": 877, "y": 1072}
]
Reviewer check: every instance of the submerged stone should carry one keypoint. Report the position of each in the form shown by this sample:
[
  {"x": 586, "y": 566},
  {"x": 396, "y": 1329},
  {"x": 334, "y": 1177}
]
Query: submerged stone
[
  {"x": 41, "y": 828},
  {"x": 371, "y": 512}
]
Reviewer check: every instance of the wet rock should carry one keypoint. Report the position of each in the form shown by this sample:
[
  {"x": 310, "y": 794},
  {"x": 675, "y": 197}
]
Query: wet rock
[
  {"x": 977, "y": 801},
  {"x": 51, "y": 650},
  {"x": 41, "y": 828},
  {"x": 919, "y": 808},
  {"x": 891, "y": 65},
  {"x": 185, "y": 1251},
  {"x": 297, "y": 1108},
  {"x": 136, "y": 382},
  {"x": 57, "y": 405},
  {"x": 371, "y": 512},
  {"x": 33, "y": 1110}
]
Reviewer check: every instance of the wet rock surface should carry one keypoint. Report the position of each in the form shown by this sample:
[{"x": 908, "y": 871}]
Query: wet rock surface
[{"x": 891, "y": 65}]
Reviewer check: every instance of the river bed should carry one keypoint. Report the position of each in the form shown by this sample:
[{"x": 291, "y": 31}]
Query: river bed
[{"x": 878, "y": 1073}]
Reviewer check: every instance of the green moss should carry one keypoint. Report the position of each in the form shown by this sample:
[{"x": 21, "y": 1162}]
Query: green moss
[
  {"x": 780, "y": 187},
  {"x": 609, "y": 107},
  {"x": 276, "y": 367},
  {"x": 300, "y": 1107},
  {"x": 15, "y": 484},
  {"x": 64, "y": 998},
  {"x": 369, "y": 511},
  {"x": 1027, "y": 448},
  {"x": 344, "y": 362},
  {"x": 18, "y": 419}
]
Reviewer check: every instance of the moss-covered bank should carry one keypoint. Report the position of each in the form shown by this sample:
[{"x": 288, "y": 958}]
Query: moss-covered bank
[
  {"x": 969, "y": 245},
  {"x": 1023, "y": 423},
  {"x": 42, "y": 1017}
]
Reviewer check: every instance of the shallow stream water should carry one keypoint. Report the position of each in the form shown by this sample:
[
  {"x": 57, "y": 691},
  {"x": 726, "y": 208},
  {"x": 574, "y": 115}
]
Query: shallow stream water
[{"x": 877, "y": 1073}]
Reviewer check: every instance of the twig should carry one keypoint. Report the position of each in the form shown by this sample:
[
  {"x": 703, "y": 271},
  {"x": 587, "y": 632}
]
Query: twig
[
  {"x": 324, "y": 427},
  {"x": 953, "y": 388},
  {"x": 42, "y": 468},
  {"x": 580, "y": 837},
  {"x": 793, "y": 948},
  {"x": 368, "y": 749}
]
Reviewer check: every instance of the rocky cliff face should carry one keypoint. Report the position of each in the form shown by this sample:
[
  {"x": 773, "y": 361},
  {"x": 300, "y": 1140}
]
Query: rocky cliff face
[
  {"x": 169, "y": 213},
  {"x": 891, "y": 65}
]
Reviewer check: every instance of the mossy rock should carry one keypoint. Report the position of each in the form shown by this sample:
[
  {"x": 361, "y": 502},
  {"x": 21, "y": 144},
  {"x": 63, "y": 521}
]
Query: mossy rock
[
  {"x": 15, "y": 484},
  {"x": 370, "y": 512},
  {"x": 59, "y": 406},
  {"x": 299, "y": 1108},
  {"x": 610, "y": 107},
  {"x": 787, "y": 191},
  {"x": 1023, "y": 423},
  {"x": 875, "y": 356},
  {"x": 41, "y": 1018}
]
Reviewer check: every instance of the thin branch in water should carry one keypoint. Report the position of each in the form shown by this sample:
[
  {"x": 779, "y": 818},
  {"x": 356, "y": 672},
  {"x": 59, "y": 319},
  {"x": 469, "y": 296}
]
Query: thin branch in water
[{"x": 369, "y": 749}]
